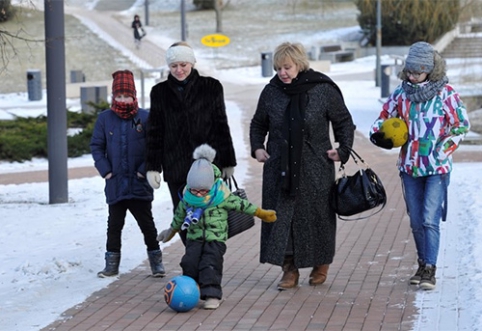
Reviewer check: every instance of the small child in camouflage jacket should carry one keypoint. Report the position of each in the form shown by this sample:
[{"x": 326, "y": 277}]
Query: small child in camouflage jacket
[{"x": 206, "y": 202}]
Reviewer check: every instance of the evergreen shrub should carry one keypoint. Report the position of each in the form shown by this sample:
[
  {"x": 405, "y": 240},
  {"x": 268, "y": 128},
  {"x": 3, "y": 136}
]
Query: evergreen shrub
[
  {"x": 404, "y": 22},
  {"x": 22, "y": 139}
]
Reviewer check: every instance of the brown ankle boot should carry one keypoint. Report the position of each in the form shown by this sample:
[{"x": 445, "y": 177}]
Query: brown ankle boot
[
  {"x": 318, "y": 274},
  {"x": 290, "y": 275}
]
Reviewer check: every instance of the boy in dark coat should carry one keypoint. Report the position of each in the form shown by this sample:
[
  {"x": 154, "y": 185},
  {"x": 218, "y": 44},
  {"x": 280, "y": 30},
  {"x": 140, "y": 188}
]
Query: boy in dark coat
[{"x": 118, "y": 148}]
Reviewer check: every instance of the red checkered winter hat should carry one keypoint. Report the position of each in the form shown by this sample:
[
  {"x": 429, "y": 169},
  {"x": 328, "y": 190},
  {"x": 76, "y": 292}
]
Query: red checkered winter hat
[{"x": 123, "y": 83}]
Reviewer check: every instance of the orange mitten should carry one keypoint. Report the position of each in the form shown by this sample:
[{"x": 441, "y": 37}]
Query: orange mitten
[{"x": 269, "y": 216}]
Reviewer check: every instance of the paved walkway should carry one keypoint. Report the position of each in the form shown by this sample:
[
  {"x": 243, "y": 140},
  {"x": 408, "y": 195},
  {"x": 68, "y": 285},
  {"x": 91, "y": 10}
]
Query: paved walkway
[{"x": 366, "y": 288}]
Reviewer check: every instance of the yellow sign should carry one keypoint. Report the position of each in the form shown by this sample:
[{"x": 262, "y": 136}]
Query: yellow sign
[{"x": 215, "y": 40}]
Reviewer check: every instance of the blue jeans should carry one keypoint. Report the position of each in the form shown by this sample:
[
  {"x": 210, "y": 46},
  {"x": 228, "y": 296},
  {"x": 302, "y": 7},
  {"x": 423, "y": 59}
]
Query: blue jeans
[{"x": 426, "y": 199}]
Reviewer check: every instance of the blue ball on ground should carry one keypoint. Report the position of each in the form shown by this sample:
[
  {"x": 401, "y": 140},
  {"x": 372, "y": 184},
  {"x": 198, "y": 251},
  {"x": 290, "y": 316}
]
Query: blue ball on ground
[{"x": 182, "y": 293}]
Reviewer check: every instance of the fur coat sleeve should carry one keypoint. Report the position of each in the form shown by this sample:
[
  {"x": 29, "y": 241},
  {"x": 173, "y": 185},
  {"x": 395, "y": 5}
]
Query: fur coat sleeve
[{"x": 182, "y": 117}]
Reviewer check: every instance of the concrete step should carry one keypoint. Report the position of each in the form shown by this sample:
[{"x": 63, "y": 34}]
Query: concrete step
[{"x": 464, "y": 47}]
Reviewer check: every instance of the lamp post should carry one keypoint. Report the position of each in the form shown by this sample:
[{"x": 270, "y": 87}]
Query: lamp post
[
  {"x": 379, "y": 43},
  {"x": 146, "y": 7},
  {"x": 183, "y": 20},
  {"x": 56, "y": 107}
]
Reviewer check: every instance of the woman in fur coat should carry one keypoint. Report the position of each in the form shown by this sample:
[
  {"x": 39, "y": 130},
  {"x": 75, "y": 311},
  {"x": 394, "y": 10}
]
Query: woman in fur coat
[
  {"x": 296, "y": 110},
  {"x": 437, "y": 122},
  {"x": 187, "y": 110}
]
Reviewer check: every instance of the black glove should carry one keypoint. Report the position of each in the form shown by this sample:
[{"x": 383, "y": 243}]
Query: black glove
[{"x": 378, "y": 139}]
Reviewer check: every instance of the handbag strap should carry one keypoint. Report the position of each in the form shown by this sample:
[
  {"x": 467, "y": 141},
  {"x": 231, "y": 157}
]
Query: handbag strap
[
  {"x": 359, "y": 161},
  {"x": 356, "y": 157},
  {"x": 353, "y": 154},
  {"x": 230, "y": 181},
  {"x": 364, "y": 217}
]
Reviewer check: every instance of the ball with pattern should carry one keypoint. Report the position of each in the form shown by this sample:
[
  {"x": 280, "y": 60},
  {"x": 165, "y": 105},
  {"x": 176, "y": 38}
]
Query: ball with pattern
[
  {"x": 181, "y": 293},
  {"x": 396, "y": 130}
]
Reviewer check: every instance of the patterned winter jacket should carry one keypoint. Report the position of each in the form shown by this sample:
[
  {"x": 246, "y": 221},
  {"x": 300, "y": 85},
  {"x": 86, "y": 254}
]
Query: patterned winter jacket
[
  {"x": 213, "y": 225},
  {"x": 435, "y": 128}
]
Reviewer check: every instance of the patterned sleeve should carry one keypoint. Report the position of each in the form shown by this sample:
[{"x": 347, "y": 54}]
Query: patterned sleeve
[
  {"x": 389, "y": 109},
  {"x": 241, "y": 205},
  {"x": 457, "y": 119},
  {"x": 179, "y": 215}
]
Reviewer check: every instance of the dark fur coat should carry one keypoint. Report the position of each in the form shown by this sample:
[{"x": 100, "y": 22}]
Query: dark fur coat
[
  {"x": 308, "y": 215},
  {"x": 184, "y": 115}
]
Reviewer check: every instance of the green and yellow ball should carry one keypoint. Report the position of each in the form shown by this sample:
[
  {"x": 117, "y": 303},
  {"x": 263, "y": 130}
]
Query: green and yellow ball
[{"x": 396, "y": 130}]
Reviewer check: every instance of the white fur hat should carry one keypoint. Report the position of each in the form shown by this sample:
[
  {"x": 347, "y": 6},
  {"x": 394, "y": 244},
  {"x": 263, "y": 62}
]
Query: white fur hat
[{"x": 180, "y": 53}]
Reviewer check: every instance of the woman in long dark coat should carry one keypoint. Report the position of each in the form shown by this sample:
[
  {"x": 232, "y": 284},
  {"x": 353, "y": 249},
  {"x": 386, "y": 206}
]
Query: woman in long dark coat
[{"x": 295, "y": 110}]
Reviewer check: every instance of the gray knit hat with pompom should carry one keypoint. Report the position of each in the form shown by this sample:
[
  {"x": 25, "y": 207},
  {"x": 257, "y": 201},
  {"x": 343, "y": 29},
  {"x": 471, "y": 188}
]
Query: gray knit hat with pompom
[
  {"x": 201, "y": 174},
  {"x": 420, "y": 58}
]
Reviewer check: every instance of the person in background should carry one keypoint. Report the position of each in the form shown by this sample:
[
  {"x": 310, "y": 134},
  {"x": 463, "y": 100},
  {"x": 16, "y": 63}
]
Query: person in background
[
  {"x": 437, "y": 122},
  {"x": 295, "y": 110},
  {"x": 139, "y": 32},
  {"x": 118, "y": 148},
  {"x": 187, "y": 110},
  {"x": 208, "y": 198}
]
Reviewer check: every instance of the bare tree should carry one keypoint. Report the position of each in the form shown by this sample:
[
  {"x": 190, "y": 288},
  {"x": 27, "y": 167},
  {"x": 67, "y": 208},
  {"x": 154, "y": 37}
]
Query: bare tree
[
  {"x": 8, "y": 48},
  {"x": 9, "y": 39}
]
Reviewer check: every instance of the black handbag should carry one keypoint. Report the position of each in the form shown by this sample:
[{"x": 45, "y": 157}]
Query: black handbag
[
  {"x": 357, "y": 193},
  {"x": 238, "y": 222}
]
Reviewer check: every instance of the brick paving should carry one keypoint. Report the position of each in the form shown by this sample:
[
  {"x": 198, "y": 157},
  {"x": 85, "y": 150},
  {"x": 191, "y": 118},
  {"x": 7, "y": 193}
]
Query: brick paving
[{"x": 366, "y": 289}]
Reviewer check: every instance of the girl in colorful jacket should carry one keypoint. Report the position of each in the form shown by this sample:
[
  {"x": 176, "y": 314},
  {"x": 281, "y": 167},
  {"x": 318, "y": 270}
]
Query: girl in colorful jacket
[{"x": 437, "y": 122}]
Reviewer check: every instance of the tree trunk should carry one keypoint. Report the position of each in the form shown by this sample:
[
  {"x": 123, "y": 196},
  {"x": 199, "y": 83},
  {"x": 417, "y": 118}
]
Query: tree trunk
[
  {"x": 218, "y": 4},
  {"x": 208, "y": 4}
]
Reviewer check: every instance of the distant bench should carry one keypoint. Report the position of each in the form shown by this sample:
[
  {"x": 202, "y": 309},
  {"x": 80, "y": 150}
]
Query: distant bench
[{"x": 335, "y": 53}]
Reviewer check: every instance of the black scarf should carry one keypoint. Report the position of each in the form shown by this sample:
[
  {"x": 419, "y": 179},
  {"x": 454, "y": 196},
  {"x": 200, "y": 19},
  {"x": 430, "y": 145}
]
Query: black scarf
[
  {"x": 293, "y": 123},
  {"x": 182, "y": 86}
]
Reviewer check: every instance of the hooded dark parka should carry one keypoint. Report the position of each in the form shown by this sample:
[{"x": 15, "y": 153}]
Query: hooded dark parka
[
  {"x": 307, "y": 213},
  {"x": 183, "y": 116}
]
